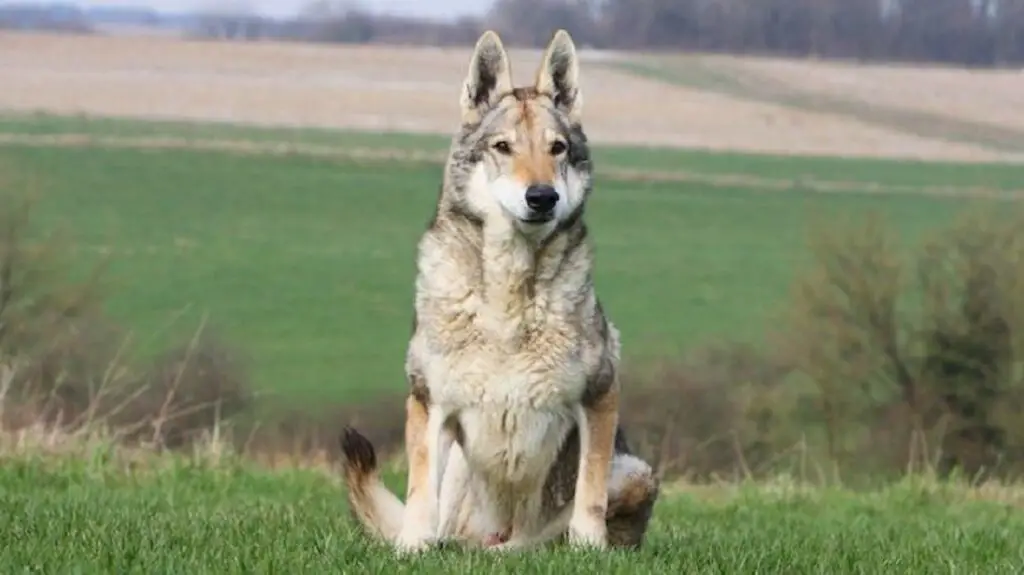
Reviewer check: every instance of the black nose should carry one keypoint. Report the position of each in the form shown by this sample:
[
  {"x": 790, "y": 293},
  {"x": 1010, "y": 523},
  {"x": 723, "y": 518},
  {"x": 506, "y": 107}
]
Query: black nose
[{"x": 541, "y": 198}]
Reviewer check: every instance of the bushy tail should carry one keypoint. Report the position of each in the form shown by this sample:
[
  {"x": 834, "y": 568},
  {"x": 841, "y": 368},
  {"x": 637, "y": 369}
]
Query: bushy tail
[{"x": 375, "y": 507}]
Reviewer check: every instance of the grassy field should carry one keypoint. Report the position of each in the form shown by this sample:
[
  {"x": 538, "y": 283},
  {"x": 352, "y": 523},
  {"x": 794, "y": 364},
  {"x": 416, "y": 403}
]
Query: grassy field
[
  {"x": 297, "y": 245},
  {"x": 290, "y": 255},
  {"x": 304, "y": 257},
  {"x": 93, "y": 516}
]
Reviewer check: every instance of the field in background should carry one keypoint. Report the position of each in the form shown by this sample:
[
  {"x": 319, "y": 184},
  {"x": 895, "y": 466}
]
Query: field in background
[
  {"x": 981, "y": 109},
  {"x": 712, "y": 103},
  {"x": 290, "y": 253},
  {"x": 294, "y": 234}
]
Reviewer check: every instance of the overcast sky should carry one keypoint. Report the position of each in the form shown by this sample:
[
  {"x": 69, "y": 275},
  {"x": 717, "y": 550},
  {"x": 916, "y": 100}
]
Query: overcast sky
[{"x": 429, "y": 8}]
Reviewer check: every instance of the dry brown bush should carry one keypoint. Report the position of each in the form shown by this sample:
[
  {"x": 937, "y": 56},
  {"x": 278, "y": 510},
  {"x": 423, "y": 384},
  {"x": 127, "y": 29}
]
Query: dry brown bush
[
  {"x": 720, "y": 411},
  {"x": 185, "y": 393},
  {"x": 916, "y": 361},
  {"x": 66, "y": 365},
  {"x": 303, "y": 433}
]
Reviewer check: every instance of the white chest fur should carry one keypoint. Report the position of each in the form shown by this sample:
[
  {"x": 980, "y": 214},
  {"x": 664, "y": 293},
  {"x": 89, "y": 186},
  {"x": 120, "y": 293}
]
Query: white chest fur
[
  {"x": 502, "y": 347},
  {"x": 514, "y": 411}
]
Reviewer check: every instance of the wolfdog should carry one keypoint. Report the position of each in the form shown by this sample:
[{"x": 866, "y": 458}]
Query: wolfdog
[{"x": 511, "y": 433}]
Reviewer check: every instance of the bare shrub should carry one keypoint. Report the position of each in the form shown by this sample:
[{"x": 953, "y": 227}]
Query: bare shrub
[
  {"x": 50, "y": 339},
  {"x": 291, "y": 433},
  {"x": 188, "y": 391},
  {"x": 68, "y": 366},
  {"x": 723, "y": 410},
  {"x": 915, "y": 359}
]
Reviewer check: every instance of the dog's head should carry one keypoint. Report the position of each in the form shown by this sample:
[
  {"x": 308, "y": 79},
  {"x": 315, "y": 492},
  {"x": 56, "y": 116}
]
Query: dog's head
[{"x": 522, "y": 154}]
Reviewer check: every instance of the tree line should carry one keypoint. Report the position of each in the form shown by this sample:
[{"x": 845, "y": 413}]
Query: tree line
[
  {"x": 966, "y": 32},
  {"x": 977, "y": 33}
]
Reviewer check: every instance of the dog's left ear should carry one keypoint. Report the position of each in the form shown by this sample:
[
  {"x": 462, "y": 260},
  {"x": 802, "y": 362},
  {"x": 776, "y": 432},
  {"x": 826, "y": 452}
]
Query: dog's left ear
[
  {"x": 559, "y": 75},
  {"x": 488, "y": 79}
]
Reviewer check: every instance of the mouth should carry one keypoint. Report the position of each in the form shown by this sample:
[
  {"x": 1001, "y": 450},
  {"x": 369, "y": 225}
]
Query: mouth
[{"x": 538, "y": 218}]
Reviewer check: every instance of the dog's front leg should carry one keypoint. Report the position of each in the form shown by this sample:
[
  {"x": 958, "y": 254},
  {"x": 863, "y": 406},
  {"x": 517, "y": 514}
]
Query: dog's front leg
[
  {"x": 426, "y": 444},
  {"x": 597, "y": 421}
]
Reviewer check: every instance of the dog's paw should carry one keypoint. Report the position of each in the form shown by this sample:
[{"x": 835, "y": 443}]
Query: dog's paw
[
  {"x": 495, "y": 539},
  {"x": 500, "y": 542},
  {"x": 412, "y": 541},
  {"x": 588, "y": 533}
]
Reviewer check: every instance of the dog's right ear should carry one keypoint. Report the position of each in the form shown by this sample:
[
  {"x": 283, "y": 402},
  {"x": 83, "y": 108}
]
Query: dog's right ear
[{"x": 490, "y": 76}]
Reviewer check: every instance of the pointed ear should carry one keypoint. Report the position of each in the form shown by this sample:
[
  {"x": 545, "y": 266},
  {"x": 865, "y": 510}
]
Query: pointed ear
[
  {"x": 490, "y": 76},
  {"x": 559, "y": 75}
]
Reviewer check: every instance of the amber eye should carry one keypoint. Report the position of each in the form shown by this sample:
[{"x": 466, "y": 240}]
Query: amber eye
[
  {"x": 502, "y": 147},
  {"x": 557, "y": 147}
]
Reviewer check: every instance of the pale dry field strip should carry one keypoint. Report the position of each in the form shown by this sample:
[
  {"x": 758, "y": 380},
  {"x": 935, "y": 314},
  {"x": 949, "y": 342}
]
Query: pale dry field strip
[
  {"x": 408, "y": 89},
  {"x": 994, "y": 97}
]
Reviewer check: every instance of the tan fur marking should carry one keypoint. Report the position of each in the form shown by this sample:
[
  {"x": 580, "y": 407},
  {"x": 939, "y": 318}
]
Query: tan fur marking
[
  {"x": 524, "y": 93},
  {"x": 633, "y": 495},
  {"x": 602, "y": 420},
  {"x": 532, "y": 164},
  {"x": 416, "y": 447}
]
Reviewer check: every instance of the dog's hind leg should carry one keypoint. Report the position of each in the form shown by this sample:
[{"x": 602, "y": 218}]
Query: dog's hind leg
[{"x": 632, "y": 492}]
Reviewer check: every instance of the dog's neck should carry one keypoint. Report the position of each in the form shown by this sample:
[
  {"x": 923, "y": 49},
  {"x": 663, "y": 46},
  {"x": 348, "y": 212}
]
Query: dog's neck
[
  {"x": 528, "y": 281},
  {"x": 510, "y": 286},
  {"x": 516, "y": 264},
  {"x": 518, "y": 271}
]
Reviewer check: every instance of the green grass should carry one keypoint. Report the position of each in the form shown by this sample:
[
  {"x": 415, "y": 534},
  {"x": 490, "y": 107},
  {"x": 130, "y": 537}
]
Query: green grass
[
  {"x": 42, "y": 124},
  {"x": 307, "y": 263},
  {"x": 88, "y": 516}
]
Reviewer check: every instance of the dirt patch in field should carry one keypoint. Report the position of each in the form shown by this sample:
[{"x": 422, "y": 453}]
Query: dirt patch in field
[
  {"x": 992, "y": 97},
  {"x": 744, "y": 79},
  {"x": 250, "y": 147},
  {"x": 404, "y": 89}
]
